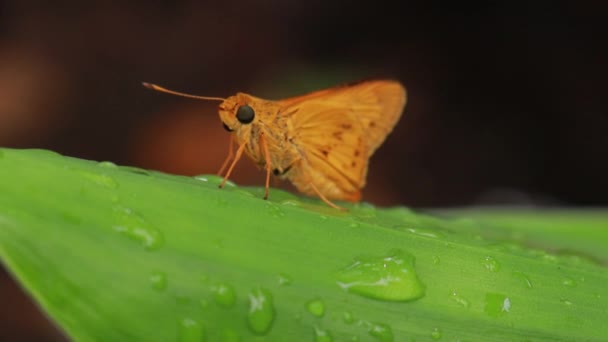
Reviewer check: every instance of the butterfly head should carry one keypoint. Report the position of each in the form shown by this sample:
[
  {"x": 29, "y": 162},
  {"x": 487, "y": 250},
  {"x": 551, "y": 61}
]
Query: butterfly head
[{"x": 237, "y": 112}]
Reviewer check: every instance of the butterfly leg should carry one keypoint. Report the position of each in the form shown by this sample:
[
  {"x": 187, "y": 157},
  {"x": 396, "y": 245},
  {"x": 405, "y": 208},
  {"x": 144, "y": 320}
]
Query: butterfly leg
[
  {"x": 324, "y": 199},
  {"x": 230, "y": 155},
  {"x": 268, "y": 163},
  {"x": 239, "y": 153}
]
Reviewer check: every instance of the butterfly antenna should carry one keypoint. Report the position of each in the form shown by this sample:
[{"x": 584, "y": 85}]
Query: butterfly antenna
[{"x": 165, "y": 90}]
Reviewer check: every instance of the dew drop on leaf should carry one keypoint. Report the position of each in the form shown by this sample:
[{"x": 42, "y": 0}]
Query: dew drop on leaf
[
  {"x": 429, "y": 233},
  {"x": 497, "y": 304},
  {"x": 569, "y": 282},
  {"x": 100, "y": 179},
  {"x": 524, "y": 278},
  {"x": 460, "y": 300},
  {"x": 381, "y": 332},
  {"x": 284, "y": 279},
  {"x": 275, "y": 210},
  {"x": 436, "y": 334},
  {"x": 316, "y": 307},
  {"x": 201, "y": 178},
  {"x": 391, "y": 277},
  {"x": 322, "y": 335},
  {"x": 291, "y": 203},
  {"x": 135, "y": 170},
  {"x": 107, "y": 165},
  {"x": 134, "y": 226},
  {"x": 224, "y": 294},
  {"x": 491, "y": 264},
  {"x": 436, "y": 260},
  {"x": 261, "y": 311}
]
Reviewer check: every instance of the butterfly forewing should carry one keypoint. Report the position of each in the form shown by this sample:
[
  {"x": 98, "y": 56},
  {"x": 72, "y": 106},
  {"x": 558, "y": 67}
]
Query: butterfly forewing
[{"x": 338, "y": 129}]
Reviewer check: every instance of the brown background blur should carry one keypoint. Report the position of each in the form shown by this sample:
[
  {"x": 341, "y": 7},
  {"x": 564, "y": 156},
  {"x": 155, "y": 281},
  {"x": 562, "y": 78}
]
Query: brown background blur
[{"x": 507, "y": 102}]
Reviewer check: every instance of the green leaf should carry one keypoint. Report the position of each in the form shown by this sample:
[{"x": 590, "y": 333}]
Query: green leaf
[{"x": 123, "y": 254}]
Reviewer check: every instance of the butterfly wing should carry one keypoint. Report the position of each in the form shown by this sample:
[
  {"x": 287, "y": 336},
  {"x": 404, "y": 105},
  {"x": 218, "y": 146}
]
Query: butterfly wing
[{"x": 337, "y": 130}]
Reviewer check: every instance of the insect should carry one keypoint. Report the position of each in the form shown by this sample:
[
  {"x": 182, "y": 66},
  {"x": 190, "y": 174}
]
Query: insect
[{"x": 321, "y": 141}]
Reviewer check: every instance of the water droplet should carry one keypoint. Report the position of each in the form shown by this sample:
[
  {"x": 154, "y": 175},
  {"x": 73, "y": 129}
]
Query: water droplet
[
  {"x": 506, "y": 305},
  {"x": 107, "y": 165},
  {"x": 284, "y": 279},
  {"x": 436, "y": 260},
  {"x": 275, "y": 210},
  {"x": 322, "y": 335},
  {"x": 569, "y": 282},
  {"x": 201, "y": 178},
  {"x": 230, "y": 336},
  {"x": 224, "y": 294},
  {"x": 245, "y": 193},
  {"x": 99, "y": 179},
  {"x": 524, "y": 278},
  {"x": 348, "y": 317},
  {"x": 291, "y": 203},
  {"x": 191, "y": 330},
  {"x": 316, "y": 307},
  {"x": 497, "y": 304},
  {"x": 491, "y": 264},
  {"x": 354, "y": 224},
  {"x": 565, "y": 301},
  {"x": 137, "y": 228},
  {"x": 135, "y": 170},
  {"x": 381, "y": 332},
  {"x": 391, "y": 278},
  {"x": 425, "y": 232},
  {"x": 261, "y": 310},
  {"x": 549, "y": 257},
  {"x": 460, "y": 300},
  {"x": 436, "y": 334},
  {"x": 158, "y": 280}
]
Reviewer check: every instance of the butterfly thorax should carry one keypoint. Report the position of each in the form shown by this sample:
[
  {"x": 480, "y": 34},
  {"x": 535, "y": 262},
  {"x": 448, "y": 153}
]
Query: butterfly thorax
[{"x": 269, "y": 124}]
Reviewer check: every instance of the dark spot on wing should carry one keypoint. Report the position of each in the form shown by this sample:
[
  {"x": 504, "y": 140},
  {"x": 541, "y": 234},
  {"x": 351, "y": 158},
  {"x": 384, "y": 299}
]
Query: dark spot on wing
[
  {"x": 372, "y": 124},
  {"x": 338, "y": 135},
  {"x": 325, "y": 152},
  {"x": 353, "y": 164},
  {"x": 346, "y": 126},
  {"x": 357, "y": 153}
]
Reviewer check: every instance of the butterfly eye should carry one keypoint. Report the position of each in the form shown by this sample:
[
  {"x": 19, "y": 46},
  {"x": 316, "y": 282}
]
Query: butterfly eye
[
  {"x": 245, "y": 114},
  {"x": 226, "y": 127}
]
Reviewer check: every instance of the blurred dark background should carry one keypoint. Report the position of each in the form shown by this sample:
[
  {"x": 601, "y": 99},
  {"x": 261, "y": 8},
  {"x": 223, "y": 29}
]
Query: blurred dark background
[{"x": 506, "y": 100}]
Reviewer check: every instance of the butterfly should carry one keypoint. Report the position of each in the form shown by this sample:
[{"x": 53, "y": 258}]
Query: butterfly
[{"x": 321, "y": 141}]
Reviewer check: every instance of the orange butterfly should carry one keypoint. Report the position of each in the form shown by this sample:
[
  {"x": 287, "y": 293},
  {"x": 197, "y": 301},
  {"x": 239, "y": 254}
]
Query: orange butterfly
[{"x": 320, "y": 141}]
